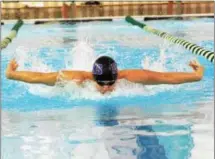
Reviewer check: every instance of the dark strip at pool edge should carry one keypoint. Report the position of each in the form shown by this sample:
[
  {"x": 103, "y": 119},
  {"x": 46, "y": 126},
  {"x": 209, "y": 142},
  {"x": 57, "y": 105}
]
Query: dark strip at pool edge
[
  {"x": 162, "y": 18},
  {"x": 71, "y": 21},
  {"x": 176, "y": 18}
]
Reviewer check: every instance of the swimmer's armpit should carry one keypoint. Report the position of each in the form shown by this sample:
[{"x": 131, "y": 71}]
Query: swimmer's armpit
[
  {"x": 77, "y": 76},
  {"x": 65, "y": 76},
  {"x": 60, "y": 79},
  {"x": 60, "y": 76}
]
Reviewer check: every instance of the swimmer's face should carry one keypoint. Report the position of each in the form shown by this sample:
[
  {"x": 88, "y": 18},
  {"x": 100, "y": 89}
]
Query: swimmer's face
[{"x": 106, "y": 88}]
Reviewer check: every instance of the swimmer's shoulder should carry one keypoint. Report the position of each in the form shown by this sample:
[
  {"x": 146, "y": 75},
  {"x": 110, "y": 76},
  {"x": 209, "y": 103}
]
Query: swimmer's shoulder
[
  {"x": 122, "y": 74},
  {"x": 88, "y": 75},
  {"x": 133, "y": 73},
  {"x": 75, "y": 74}
]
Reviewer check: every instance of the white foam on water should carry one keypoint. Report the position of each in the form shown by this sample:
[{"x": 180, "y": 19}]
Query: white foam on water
[
  {"x": 203, "y": 133},
  {"x": 54, "y": 134},
  {"x": 81, "y": 57},
  {"x": 30, "y": 61}
]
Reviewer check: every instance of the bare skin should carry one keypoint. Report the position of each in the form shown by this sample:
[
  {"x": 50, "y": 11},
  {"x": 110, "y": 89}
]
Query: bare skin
[{"x": 142, "y": 76}]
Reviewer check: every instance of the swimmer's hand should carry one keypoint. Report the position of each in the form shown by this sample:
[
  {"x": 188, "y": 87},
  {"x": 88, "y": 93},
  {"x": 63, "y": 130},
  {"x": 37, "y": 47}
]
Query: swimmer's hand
[
  {"x": 198, "y": 69},
  {"x": 11, "y": 68}
]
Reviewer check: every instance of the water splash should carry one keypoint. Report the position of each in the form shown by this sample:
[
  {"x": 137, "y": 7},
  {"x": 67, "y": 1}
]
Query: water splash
[{"x": 81, "y": 57}]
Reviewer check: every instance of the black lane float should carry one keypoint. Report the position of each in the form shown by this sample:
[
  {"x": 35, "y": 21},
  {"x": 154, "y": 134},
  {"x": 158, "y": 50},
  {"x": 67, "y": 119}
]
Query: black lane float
[
  {"x": 12, "y": 34},
  {"x": 195, "y": 49}
]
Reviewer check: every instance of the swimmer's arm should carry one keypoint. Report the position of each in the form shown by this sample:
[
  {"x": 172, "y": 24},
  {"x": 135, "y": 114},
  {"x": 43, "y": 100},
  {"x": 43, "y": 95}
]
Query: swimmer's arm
[
  {"x": 43, "y": 78},
  {"x": 28, "y": 76},
  {"x": 34, "y": 77},
  {"x": 152, "y": 77}
]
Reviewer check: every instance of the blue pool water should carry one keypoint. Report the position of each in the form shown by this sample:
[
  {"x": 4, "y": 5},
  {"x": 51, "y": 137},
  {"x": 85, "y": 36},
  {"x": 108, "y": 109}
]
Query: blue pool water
[{"x": 134, "y": 121}]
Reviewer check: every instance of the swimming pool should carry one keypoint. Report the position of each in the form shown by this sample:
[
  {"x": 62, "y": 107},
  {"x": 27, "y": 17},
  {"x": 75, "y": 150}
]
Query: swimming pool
[{"x": 135, "y": 121}]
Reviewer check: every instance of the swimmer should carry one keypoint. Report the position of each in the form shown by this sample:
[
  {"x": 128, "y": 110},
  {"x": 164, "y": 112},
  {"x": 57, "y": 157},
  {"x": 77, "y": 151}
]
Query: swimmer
[{"x": 105, "y": 74}]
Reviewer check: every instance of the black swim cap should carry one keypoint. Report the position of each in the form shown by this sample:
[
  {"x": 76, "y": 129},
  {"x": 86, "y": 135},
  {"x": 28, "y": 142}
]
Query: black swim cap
[{"x": 105, "y": 71}]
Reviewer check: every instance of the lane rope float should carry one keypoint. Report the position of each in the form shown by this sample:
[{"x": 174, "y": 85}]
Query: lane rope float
[
  {"x": 12, "y": 35},
  {"x": 195, "y": 49}
]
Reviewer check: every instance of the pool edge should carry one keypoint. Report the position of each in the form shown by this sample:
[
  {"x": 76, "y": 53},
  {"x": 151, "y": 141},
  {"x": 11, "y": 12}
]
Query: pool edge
[{"x": 89, "y": 19}]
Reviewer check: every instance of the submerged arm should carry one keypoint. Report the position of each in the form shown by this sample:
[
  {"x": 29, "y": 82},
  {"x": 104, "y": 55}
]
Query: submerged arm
[{"x": 152, "y": 77}]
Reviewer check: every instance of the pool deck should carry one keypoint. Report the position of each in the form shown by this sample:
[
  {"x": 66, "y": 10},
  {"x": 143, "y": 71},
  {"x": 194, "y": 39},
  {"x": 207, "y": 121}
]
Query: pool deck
[{"x": 145, "y": 18}]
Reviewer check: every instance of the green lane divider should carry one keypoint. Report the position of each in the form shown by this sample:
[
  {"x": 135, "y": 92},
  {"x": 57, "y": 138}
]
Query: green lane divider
[
  {"x": 195, "y": 49},
  {"x": 12, "y": 34}
]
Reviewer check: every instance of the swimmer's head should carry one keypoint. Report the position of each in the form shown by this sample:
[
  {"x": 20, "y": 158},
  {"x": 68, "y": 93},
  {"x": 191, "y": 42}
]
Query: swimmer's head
[{"x": 105, "y": 71}]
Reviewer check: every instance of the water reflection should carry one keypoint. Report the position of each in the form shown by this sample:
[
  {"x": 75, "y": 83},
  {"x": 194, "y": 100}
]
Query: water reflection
[
  {"x": 149, "y": 145},
  {"x": 142, "y": 141},
  {"x": 107, "y": 115}
]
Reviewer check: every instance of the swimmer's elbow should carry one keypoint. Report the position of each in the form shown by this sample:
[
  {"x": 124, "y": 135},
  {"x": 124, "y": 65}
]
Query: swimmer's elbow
[
  {"x": 50, "y": 84},
  {"x": 198, "y": 78},
  {"x": 49, "y": 79},
  {"x": 175, "y": 82},
  {"x": 184, "y": 80},
  {"x": 172, "y": 80},
  {"x": 8, "y": 75}
]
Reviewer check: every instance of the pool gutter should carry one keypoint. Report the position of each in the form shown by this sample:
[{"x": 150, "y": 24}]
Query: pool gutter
[{"x": 89, "y": 19}]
